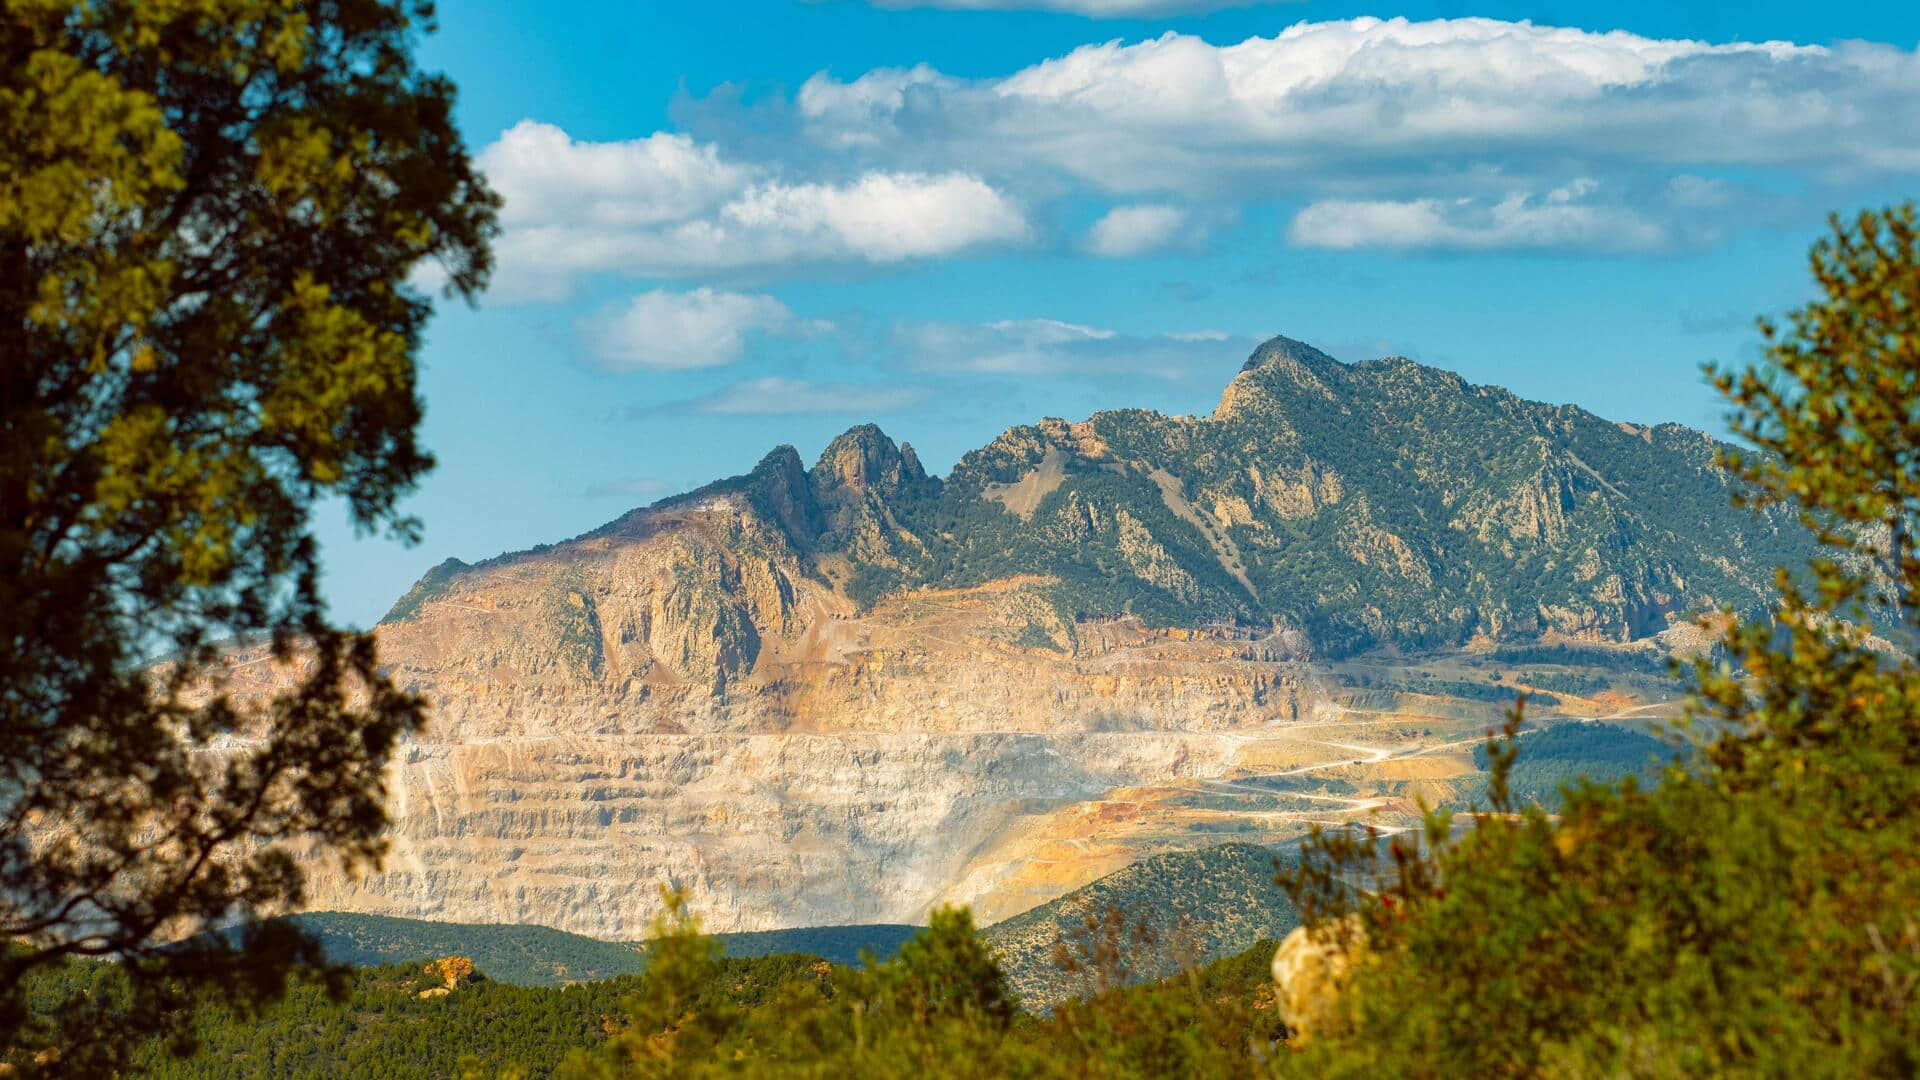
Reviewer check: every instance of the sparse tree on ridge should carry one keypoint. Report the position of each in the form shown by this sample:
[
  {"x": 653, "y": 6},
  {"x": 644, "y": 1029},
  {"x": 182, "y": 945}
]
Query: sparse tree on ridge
[{"x": 211, "y": 212}]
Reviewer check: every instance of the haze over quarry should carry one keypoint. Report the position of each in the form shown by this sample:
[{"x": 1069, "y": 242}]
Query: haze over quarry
[{"x": 727, "y": 230}]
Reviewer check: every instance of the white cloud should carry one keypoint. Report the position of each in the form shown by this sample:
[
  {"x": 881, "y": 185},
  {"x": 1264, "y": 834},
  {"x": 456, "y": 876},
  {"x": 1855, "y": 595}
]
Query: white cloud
[
  {"x": 666, "y": 205},
  {"x": 701, "y": 328},
  {"x": 1563, "y": 219},
  {"x": 546, "y": 178},
  {"x": 775, "y": 395},
  {"x": 1389, "y": 109},
  {"x": 880, "y": 217},
  {"x": 1093, "y": 9},
  {"x": 1126, "y": 231},
  {"x": 1053, "y": 347},
  {"x": 1427, "y": 129}
]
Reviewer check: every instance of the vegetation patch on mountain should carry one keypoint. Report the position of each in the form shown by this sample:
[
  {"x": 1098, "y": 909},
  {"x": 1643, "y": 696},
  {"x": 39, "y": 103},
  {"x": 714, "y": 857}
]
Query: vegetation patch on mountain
[{"x": 1159, "y": 915}]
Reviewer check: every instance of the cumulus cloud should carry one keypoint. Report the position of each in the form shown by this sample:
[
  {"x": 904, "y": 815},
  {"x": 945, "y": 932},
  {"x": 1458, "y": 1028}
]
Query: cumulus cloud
[
  {"x": 1054, "y": 347},
  {"x": 1126, "y": 231},
  {"x": 1450, "y": 133},
  {"x": 780, "y": 395},
  {"x": 697, "y": 329},
  {"x": 1093, "y": 9},
  {"x": 1170, "y": 113},
  {"x": 1563, "y": 219},
  {"x": 1394, "y": 111},
  {"x": 545, "y": 177},
  {"x": 668, "y": 205}
]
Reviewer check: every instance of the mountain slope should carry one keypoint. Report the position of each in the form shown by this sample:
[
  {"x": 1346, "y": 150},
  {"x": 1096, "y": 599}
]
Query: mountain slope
[
  {"x": 541, "y": 956},
  {"x": 850, "y": 692},
  {"x": 1163, "y": 913},
  {"x": 1375, "y": 503}
]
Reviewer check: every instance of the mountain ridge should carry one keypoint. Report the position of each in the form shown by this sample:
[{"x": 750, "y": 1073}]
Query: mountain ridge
[
  {"x": 852, "y": 691},
  {"x": 1239, "y": 515}
]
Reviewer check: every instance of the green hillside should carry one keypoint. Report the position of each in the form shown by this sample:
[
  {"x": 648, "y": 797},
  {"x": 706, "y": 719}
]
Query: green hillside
[
  {"x": 522, "y": 955},
  {"x": 384, "y": 1029},
  {"x": 1564, "y": 753},
  {"x": 1174, "y": 910},
  {"x": 541, "y": 956},
  {"x": 1178, "y": 909}
]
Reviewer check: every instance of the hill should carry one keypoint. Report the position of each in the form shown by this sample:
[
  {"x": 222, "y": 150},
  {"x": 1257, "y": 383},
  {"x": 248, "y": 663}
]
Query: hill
[
  {"x": 541, "y": 956},
  {"x": 1162, "y": 914},
  {"x": 1563, "y": 753}
]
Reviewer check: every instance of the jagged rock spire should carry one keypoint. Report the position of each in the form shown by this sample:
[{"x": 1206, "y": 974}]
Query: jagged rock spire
[{"x": 864, "y": 458}]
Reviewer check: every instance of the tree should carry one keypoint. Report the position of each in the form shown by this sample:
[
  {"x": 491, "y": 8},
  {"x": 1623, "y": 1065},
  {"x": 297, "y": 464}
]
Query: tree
[
  {"x": 211, "y": 215},
  {"x": 1753, "y": 911}
]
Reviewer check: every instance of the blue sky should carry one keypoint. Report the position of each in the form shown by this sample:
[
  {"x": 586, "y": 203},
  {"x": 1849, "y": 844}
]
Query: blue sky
[{"x": 734, "y": 225}]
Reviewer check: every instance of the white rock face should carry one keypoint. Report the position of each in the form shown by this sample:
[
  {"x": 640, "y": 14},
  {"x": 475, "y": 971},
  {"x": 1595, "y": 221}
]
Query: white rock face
[
  {"x": 760, "y": 831},
  {"x": 676, "y": 702}
]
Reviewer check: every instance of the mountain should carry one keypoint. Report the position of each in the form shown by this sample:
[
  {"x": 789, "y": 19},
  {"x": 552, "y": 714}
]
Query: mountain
[
  {"x": 848, "y": 693},
  {"x": 1367, "y": 504}
]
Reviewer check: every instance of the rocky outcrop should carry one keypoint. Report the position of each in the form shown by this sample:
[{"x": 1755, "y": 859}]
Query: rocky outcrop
[{"x": 1310, "y": 972}]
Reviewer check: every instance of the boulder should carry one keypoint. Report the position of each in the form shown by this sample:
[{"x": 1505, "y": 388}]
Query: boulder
[{"x": 1310, "y": 971}]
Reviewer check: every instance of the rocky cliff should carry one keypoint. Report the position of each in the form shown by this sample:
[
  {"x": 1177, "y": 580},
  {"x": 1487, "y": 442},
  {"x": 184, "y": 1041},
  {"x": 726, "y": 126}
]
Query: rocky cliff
[{"x": 846, "y": 693}]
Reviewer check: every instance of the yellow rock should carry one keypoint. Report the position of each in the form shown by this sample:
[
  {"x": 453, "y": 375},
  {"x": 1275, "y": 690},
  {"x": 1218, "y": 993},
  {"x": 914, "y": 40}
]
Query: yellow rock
[{"x": 1310, "y": 970}]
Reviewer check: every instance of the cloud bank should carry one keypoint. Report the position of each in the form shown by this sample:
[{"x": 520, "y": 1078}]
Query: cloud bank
[
  {"x": 666, "y": 206},
  {"x": 1464, "y": 134},
  {"x": 1093, "y": 9}
]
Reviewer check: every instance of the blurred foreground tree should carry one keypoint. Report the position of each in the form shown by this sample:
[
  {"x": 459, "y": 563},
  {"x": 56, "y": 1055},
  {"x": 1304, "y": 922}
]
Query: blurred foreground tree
[{"x": 210, "y": 212}]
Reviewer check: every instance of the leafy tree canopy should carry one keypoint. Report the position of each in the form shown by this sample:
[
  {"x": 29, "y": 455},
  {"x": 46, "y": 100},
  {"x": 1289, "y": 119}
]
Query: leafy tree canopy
[{"x": 211, "y": 212}]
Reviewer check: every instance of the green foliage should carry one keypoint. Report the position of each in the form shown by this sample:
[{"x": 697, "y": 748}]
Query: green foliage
[
  {"x": 941, "y": 1005},
  {"x": 210, "y": 213},
  {"x": 1035, "y": 636},
  {"x": 1471, "y": 691},
  {"x": 1623, "y": 660},
  {"x": 1564, "y": 754},
  {"x": 1573, "y": 683},
  {"x": 381, "y": 1028},
  {"x": 522, "y": 955},
  {"x": 839, "y": 944},
  {"x": 940, "y": 1009},
  {"x": 1159, "y": 916},
  {"x": 1753, "y": 911},
  {"x": 541, "y": 956},
  {"x": 1833, "y": 408}
]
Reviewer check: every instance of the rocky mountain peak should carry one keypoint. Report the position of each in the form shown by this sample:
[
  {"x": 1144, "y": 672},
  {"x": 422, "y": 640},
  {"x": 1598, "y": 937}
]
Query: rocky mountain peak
[
  {"x": 1284, "y": 354},
  {"x": 779, "y": 485},
  {"x": 864, "y": 458}
]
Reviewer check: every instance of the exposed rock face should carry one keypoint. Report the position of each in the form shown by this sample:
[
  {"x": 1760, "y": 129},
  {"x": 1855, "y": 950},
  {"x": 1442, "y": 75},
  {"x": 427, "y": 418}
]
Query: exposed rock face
[{"x": 844, "y": 694}]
